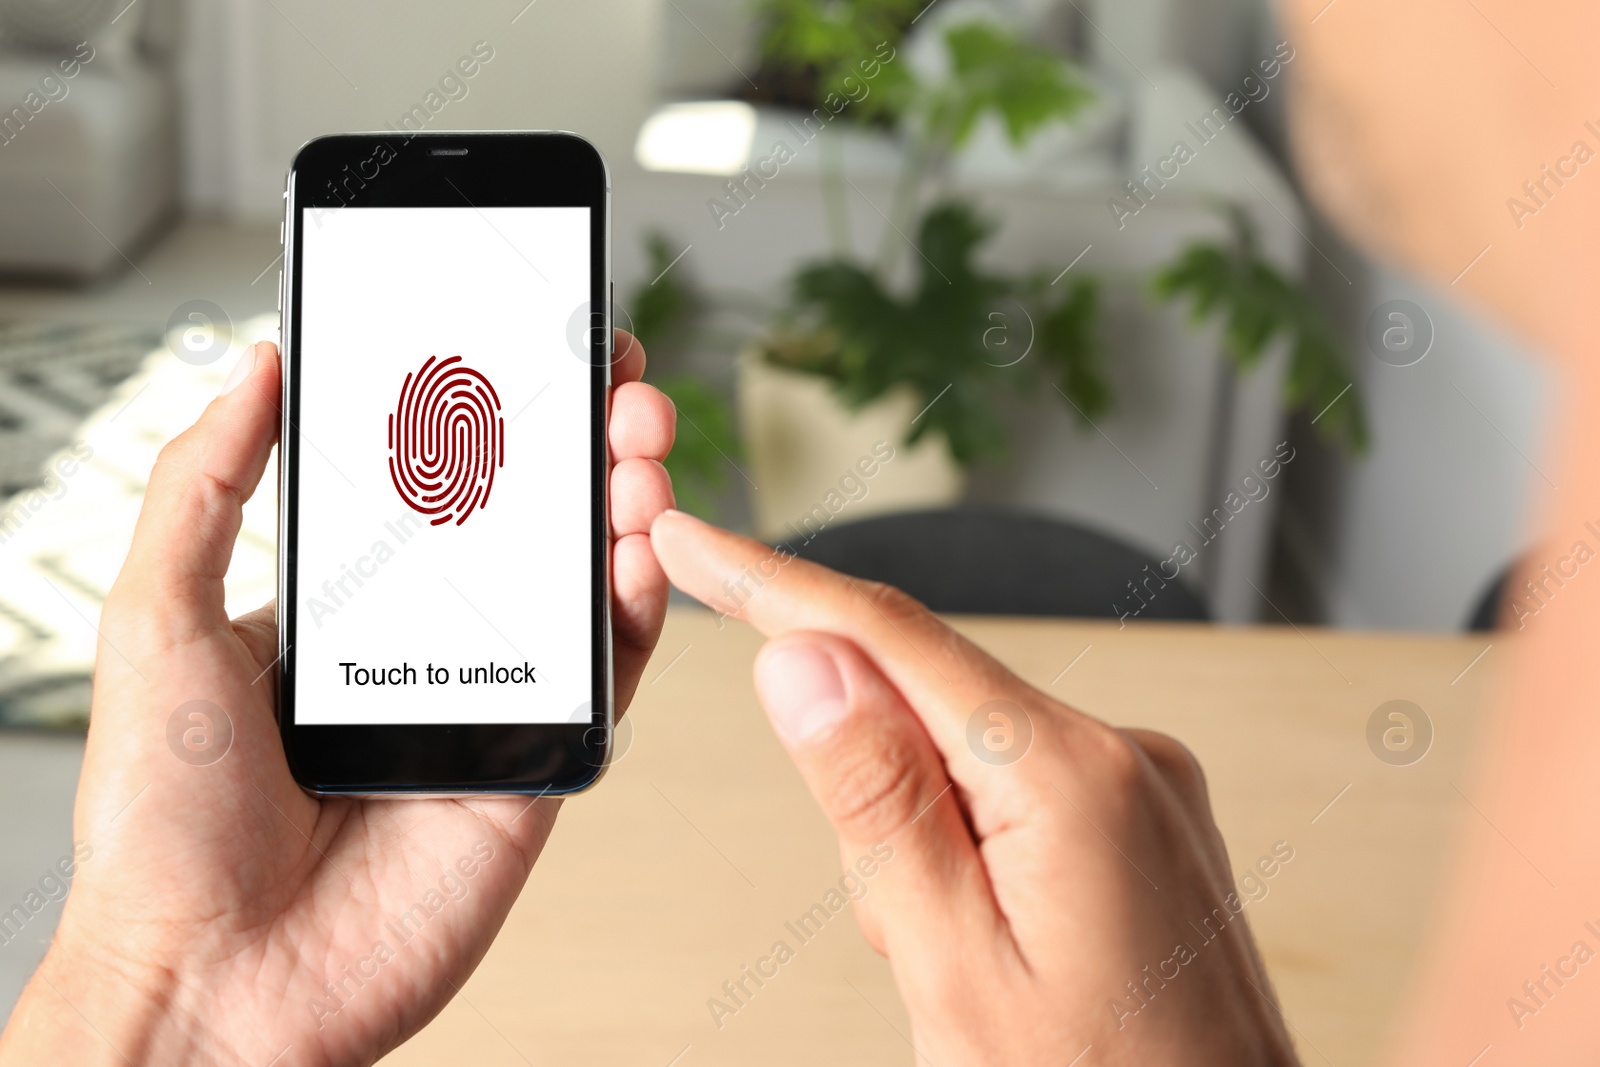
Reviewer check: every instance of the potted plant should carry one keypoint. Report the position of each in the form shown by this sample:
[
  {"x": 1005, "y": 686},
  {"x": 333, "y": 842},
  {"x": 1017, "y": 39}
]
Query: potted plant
[
  {"x": 916, "y": 344},
  {"x": 910, "y": 344}
]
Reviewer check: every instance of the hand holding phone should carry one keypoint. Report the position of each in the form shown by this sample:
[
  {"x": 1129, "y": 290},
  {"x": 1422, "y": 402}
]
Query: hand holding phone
[{"x": 204, "y": 875}]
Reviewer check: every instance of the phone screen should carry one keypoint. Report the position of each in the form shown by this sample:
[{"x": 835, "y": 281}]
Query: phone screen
[{"x": 444, "y": 520}]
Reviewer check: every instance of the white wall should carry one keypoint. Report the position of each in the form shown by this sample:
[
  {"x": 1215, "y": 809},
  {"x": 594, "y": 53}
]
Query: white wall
[
  {"x": 1216, "y": 38},
  {"x": 1409, "y": 536},
  {"x": 260, "y": 78},
  {"x": 704, "y": 45},
  {"x": 1405, "y": 537}
]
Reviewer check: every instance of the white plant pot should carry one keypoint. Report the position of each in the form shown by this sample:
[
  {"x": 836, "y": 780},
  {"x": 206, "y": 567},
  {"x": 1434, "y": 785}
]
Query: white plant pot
[{"x": 807, "y": 452}]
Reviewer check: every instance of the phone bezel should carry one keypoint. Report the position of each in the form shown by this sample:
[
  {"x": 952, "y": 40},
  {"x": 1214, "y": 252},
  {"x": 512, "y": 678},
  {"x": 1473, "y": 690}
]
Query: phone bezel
[{"x": 404, "y": 169}]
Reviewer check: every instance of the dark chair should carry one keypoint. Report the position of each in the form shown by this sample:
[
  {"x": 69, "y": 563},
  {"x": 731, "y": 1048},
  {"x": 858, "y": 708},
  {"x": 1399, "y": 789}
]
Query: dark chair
[
  {"x": 1486, "y": 613},
  {"x": 994, "y": 562}
]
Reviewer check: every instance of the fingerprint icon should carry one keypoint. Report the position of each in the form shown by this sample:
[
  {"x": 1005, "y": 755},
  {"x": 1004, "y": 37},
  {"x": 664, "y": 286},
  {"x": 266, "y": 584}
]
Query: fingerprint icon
[{"x": 445, "y": 440}]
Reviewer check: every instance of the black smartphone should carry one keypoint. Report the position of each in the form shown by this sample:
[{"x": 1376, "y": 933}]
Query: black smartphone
[{"x": 443, "y": 560}]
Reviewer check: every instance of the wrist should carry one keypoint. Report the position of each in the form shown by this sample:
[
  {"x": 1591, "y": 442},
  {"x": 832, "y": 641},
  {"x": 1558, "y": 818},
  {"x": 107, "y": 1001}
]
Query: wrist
[{"x": 84, "y": 1007}]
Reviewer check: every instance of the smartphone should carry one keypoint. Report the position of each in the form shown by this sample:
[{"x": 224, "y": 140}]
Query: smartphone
[{"x": 443, "y": 561}]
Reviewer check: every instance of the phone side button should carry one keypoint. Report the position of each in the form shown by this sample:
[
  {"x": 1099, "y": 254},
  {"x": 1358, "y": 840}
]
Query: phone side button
[{"x": 280, "y": 292}]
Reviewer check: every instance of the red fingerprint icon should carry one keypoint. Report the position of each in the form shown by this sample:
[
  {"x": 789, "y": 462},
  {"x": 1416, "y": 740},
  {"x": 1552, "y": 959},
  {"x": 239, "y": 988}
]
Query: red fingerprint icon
[{"x": 445, "y": 440}]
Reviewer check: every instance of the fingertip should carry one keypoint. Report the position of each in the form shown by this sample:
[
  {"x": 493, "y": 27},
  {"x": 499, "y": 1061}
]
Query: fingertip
[
  {"x": 627, "y": 357},
  {"x": 268, "y": 358},
  {"x": 866, "y": 757},
  {"x": 643, "y": 422},
  {"x": 680, "y": 540},
  {"x": 640, "y": 490},
  {"x": 802, "y": 687},
  {"x": 242, "y": 369},
  {"x": 668, "y": 526},
  {"x": 640, "y": 588},
  {"x": 821, "y": 666},
  {"x": 639, "y": 609},
  {"x": 255, "y": 361}
]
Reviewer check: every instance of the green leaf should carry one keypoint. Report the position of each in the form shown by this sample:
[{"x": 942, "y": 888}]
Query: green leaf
[
  {"x": 666, "y": 316},
  {"x": 706, "y": 445},
  {"x": 1203, "y": 272},
  {"x": 996, "y": 70},
  {"x": 1259, "y": 305},
  {"x": 664, "y": 312},
  {"x": 847, "y": 45},
  {"x": 935, "y": 339},
  {"x": 1068, "y": 342}
]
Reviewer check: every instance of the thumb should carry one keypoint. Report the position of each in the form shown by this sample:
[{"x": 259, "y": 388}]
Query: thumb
[
  {"x": 879, "y": 779},
  {"x": 193, "y": 504}
]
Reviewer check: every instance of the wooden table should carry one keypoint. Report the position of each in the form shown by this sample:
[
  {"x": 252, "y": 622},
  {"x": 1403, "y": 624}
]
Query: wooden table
[{"x": 702, "y": 842}]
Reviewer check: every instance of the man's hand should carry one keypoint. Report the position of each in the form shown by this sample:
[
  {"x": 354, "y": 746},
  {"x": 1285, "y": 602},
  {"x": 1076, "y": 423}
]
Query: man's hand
[
  {"x": 222, "y": 916},
  {"x": 1078, "y": 898}
]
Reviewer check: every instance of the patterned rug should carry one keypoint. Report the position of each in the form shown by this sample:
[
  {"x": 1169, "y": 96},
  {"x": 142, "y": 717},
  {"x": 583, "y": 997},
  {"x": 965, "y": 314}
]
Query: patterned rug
[
  {"x": 83, "y": 412},
  {"x": 52, "y": 378}
]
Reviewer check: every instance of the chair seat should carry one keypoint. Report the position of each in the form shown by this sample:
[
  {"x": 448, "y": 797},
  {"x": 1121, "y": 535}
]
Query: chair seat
[{"x": 996, "y": 562}]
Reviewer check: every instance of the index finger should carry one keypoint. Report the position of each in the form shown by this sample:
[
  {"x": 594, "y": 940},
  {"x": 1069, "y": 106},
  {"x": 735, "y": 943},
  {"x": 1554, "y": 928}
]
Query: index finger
[{"x": 943, "y": 676}]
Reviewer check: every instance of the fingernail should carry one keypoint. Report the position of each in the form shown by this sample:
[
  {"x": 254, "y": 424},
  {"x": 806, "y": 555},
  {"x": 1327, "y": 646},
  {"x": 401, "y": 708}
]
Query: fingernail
[
  {"x": 241, "y": 370},
  {"x": 671, "y": 515},
  {"x": 802, "y": 690}
]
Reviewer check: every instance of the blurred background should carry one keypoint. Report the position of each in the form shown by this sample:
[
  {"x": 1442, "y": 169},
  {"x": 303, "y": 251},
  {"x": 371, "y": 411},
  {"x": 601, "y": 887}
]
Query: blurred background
[{"x": 1042, "y": 267}]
